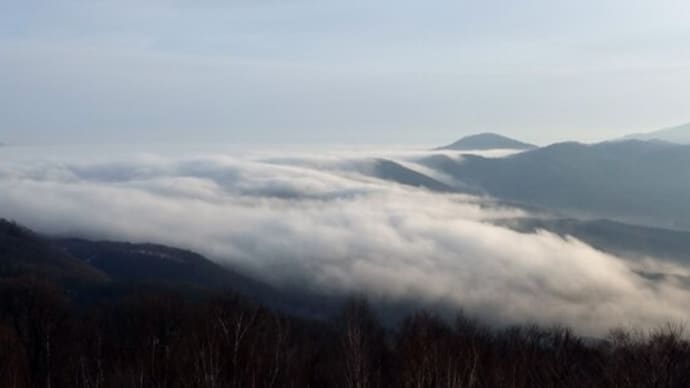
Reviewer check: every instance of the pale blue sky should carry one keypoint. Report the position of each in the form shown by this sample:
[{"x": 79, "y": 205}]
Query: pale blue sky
[{"x": 306, "y": 71}]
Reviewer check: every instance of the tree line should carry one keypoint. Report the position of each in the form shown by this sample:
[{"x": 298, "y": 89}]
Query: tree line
[{"x": 162, "y": 339}]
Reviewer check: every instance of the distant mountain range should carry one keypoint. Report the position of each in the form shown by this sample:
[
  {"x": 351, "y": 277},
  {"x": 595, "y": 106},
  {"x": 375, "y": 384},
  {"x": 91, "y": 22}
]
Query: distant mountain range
[
  {"x": 487, "y": 141},
  {"x": 643, "y": 182},
  {"x": 679, "y": 134}
]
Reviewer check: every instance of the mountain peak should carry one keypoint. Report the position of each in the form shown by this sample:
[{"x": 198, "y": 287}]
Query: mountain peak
[{"x": 487, "y": 141}]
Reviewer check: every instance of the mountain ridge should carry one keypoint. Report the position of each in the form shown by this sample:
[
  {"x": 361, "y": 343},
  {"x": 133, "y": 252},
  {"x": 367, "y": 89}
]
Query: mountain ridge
[{"x": 677, "y": 134}]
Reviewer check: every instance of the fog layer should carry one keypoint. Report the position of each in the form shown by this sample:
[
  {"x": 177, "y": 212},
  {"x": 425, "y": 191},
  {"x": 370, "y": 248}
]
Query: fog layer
[{"x": 325, "y": 224}]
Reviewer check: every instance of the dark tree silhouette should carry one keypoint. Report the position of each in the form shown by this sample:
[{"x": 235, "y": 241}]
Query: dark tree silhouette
[{"x": 159, "y": 338}]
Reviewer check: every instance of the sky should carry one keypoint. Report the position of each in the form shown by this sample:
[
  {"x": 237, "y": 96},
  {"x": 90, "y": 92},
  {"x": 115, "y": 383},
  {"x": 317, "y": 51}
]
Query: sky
[{"x": 339, "y": 72}]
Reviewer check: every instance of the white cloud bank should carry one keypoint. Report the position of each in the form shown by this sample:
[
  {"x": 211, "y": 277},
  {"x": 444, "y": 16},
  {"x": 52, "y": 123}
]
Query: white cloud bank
[{"x": 333, "y": 229}]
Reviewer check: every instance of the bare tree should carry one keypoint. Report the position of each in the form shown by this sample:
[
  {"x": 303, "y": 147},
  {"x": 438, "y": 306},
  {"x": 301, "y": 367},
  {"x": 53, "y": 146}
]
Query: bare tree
[{"x": 361, "y": 345}]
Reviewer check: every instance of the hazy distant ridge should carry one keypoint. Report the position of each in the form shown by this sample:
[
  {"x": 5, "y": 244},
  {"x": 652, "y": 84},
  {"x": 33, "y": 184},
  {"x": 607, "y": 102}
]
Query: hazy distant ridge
[{"x": 679, "y": 134}]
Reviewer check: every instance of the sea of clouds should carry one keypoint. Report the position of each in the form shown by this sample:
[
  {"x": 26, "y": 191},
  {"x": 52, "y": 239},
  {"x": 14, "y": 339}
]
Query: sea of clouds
[{"x": 321, "y": 221}]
